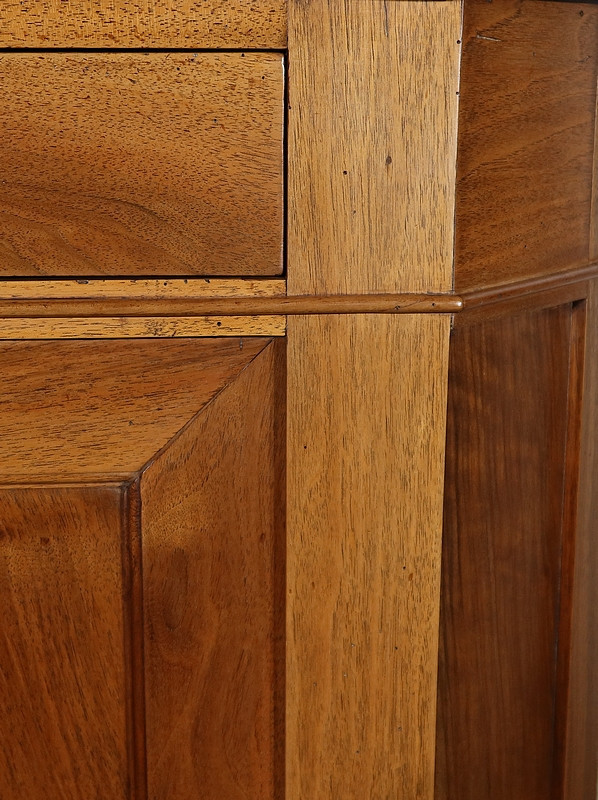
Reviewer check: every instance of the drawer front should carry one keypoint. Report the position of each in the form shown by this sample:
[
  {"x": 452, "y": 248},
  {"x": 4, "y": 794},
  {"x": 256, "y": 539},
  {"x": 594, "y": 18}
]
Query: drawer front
[{"x": 141, "y": 164}]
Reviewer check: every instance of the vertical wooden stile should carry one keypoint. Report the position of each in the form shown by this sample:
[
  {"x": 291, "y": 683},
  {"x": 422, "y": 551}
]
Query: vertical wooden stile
[{"x": 373, "y": 91}]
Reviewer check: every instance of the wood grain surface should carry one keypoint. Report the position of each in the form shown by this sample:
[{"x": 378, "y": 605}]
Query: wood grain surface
[
  {"x": 365, "y": 465},
  {"x": 209, "y": 316},
  {"x": 82, "y": 410},
  {"x": 142, "y": 289},
  {"x": 593, "y": 255},
  {"x": 372, "y": 137},
  {"x": 141, "y": 164},
  {"x": 526, "y": 139},
  {"x": 213, "y": 554},
  {"x": 581, "y": 754},
  {"x": 144, "y": 23},
  {"x": 63, "y": 731},
  {"x": 139, "y": 327},
  {"x": 502, "y": 582}
]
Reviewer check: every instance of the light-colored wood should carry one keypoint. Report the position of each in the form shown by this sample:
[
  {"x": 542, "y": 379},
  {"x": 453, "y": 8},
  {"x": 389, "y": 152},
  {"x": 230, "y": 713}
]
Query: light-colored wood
[
  {"x": 372, "y": 145},
  {"x": 213, "y": 588},
  {"x": 171, "y": 24},
  {"x": 63, "y": 730},
  {"x": 141, "y": 289},
  {"x": 140, "y": 327},
  {"x": 233, "y": 306},
  {"x": 141, "y": 164},
  {"x": 79, "y": 410},
  {"x": 365, "y": 461}
]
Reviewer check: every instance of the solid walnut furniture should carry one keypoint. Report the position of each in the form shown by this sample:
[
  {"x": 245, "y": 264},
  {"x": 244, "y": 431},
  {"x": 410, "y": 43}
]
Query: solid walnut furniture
[{"x": 299, "y": 400}]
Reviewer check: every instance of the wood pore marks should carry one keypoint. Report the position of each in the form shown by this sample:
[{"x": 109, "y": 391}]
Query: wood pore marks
[
  {"x": 501, "y": 576},
  {"x": 141, "y": 164},
  {"x": 63, "y": 731},
  {"x": 372, "y": 137},
  {"x": 526, "y": 133},
  {"x": 157, "y": 327},
  {"x": 213, "y": 551},
  {"x": 144, "y": 23},
  {"x": 71, "y": 410},
  {"x": 365, "y": 477}
]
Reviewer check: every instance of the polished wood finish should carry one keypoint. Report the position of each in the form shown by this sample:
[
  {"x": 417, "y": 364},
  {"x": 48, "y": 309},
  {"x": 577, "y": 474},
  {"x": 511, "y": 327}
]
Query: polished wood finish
[
  {"x": 388, "y": 177},
  {"x": 141, "y": 164},
  {"x": 581, "y": 753},
  {"x": 213, "y": 588},
  {"x": 509, "y": 535},
  {"x": 143, "y": 636},
  {"x": 365, "y": 445},
  {"x": 526, "y": 139},
  {"x": 133, "y": 311},
  {"x": 72, "y": 411},
  {"x": 139, "y": 327},
  {"x": 527, "y": 295},
  {"x": 144, "y": 23},
  {"x": 62, "y": 682}
]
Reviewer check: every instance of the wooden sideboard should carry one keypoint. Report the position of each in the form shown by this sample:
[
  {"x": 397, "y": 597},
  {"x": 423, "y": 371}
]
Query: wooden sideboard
[{"x": 299, "y": 400}]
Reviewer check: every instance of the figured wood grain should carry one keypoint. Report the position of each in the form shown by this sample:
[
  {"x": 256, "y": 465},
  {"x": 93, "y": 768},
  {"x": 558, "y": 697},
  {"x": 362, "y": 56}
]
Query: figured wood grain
[
  {"x": 77, "y": 410},
  {"x": 139, "y": 327},
  {"x": 141, "y": 164},
  {"x": 365, "y": 446},
  {"x": 372, "y": 145},
  {"x": 213, "y": 554},
  {"x": 171, "y": 24},
  {"x": 63, "y": 730},
  {"x": 526, "y": 139},
  {"x": 581, "y": 754},
  {"x": 503, "y": 592}
]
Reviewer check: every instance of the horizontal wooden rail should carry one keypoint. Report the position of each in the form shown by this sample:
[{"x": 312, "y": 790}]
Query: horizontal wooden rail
[{"x": 139, "y": 327}]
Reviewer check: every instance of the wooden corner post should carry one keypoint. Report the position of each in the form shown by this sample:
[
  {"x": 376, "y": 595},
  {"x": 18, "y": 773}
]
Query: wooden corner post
[{"x": 373, "y": 94}]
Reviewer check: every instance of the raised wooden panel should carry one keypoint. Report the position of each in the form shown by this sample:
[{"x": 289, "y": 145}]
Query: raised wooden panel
[
  {"x": 372, "y": 145},
  {"x": 213, "y": 550},
  {"x": 526, "y": 132},
  {"x": 141, "y": 164},
  {"x": 171, "y": 579},
  {"x": 75, "y": 410},
  {"x": 63, "y": 725},
  {"x": 511, "y": 470},
  {"x": 364, "y": 491},
  {"x": 143, "y": 23}
]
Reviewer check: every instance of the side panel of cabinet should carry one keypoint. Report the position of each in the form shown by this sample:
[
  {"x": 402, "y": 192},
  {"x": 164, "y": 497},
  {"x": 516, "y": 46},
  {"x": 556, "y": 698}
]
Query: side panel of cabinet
[{"x": 510, "y": 536}]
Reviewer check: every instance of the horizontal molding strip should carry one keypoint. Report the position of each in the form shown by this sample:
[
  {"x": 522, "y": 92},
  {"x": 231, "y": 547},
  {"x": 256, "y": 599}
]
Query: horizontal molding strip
[
  {"x": 198, "y": 298},
  {"x": 545, "y": 291},
  {"x": 139, "y": 327}
]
